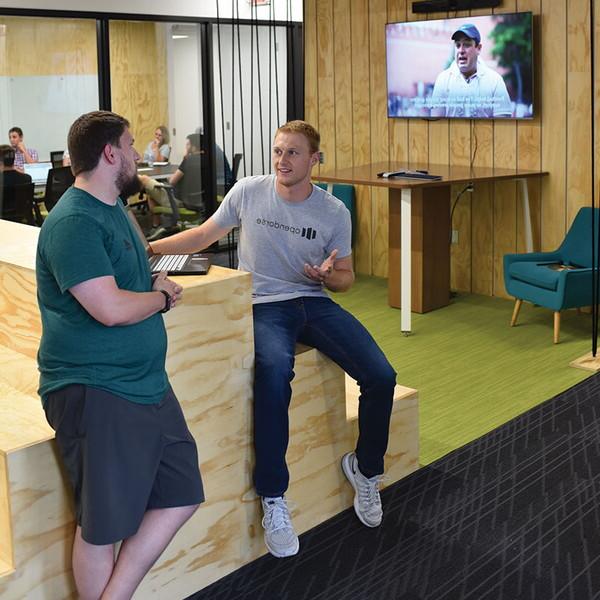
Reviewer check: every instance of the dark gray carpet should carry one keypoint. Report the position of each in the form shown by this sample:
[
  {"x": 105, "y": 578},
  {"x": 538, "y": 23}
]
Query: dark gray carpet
[{"x": 513, "y": 515}]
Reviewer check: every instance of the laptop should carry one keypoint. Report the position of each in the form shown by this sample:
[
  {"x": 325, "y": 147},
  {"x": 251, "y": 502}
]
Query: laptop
[
  {"x": 173, "y": 264},
  {"x": 38, "y": 171}
]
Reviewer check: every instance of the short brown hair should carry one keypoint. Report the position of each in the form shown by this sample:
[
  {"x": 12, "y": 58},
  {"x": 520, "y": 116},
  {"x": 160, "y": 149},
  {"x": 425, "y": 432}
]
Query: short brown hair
[
  {"x": 7, "y": 155},
  {"x": 89, "y": 134},
  {"x": 304, "y": 128}
]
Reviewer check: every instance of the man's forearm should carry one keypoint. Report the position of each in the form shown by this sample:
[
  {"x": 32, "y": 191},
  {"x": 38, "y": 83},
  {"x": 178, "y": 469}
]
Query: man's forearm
[
  {"x": 340, "y": 280},
  {"x": 191, "y": 240}
]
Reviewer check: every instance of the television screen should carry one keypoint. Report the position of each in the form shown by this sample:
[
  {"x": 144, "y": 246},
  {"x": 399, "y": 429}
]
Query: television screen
[{"x": 467, "y": 67}]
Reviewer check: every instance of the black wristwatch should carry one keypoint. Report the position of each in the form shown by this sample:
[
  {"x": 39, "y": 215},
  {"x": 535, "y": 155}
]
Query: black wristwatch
[{"x": 167, "y": 305}]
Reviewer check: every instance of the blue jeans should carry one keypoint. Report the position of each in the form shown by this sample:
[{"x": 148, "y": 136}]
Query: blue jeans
[{"x": 322, "y": 324}]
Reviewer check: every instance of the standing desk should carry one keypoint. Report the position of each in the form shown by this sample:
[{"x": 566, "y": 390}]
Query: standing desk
[{"x": 419, "y": 226}]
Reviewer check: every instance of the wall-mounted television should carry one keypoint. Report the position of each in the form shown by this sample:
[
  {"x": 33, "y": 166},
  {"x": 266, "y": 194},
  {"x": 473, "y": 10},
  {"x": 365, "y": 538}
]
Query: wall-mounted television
[{"x": 467, "y": 67}]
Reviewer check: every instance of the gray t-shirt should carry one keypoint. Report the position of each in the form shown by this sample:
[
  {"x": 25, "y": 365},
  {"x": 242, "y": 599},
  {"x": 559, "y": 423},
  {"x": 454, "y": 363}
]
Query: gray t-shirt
[{"x": 278, "y": 237}]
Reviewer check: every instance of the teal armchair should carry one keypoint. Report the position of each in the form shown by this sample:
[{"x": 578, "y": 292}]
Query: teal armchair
[{"x": 555, "y": 280}]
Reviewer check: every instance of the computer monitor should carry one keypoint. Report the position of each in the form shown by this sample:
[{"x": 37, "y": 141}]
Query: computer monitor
[{"x": 38, "y": 171}]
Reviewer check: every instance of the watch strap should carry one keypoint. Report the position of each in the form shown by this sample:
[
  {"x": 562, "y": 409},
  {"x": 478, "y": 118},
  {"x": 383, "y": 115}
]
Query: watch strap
[{"x": 167, "y": 305}]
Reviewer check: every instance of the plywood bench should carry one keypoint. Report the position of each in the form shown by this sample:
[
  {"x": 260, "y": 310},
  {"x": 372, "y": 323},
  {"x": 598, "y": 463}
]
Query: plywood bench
[{"x": 209, "y": 361}]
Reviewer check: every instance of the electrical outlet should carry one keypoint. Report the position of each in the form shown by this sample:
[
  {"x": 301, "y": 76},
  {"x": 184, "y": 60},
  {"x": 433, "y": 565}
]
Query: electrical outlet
[{"x": 455, "y": 236}]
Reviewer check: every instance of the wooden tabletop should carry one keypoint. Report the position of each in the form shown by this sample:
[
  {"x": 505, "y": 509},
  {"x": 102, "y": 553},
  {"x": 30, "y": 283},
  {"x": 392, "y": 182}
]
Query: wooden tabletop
[{"x": 367, "y": 174}]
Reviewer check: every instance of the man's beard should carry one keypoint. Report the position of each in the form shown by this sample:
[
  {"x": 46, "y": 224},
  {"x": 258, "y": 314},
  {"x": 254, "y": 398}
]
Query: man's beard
[{"x": 128, "y": 185}]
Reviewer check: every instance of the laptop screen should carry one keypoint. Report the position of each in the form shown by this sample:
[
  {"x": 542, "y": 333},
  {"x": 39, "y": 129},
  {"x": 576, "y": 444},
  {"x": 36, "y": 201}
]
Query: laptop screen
[{"x": 38, "y": 171}]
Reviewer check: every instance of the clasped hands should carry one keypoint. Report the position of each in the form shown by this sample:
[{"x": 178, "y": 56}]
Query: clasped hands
[
  {"x": 321, "y": 274},
  {"x": 162, "y": 282}
]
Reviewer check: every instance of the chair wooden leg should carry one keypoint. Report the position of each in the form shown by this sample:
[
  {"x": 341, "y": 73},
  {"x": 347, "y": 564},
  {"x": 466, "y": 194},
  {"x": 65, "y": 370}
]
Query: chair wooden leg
[
  {"x": 516, "y": 310},
  {"x": 556, "y": 326}
]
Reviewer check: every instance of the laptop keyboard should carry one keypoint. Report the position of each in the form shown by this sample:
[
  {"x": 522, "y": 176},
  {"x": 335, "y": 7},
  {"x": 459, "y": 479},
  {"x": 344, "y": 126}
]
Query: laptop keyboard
[{"x": 170, "y": 262}]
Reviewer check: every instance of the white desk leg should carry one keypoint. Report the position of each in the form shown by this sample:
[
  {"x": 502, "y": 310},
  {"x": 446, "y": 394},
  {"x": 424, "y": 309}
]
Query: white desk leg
[
  {"x": 405, "y": 261},
  {"x": 526, "y": 215}
]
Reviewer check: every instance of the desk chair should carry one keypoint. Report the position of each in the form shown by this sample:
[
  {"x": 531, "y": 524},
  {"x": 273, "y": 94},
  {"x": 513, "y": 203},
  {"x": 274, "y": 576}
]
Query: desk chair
[
  {"x": 59, "y": 180},
  {"x": 56, "y": 158},
  {"x": 567, "y": 283},
  {"x": 17, "y": 204}
]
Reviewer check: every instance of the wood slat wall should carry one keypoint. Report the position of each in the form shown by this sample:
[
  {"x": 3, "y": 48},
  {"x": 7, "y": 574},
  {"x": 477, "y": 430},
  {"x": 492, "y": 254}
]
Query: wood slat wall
[{"x": 345, "y": 74}]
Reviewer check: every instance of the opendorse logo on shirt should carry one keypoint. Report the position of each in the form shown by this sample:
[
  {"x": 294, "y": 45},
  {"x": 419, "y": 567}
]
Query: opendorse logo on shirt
[{"x": 306, "y": 232}]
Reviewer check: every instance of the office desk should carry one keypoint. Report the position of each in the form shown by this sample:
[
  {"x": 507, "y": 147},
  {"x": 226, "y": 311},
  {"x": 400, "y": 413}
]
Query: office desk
[
  {"x": 419, "y": 227},
  {"x": 159, "y": 173}
]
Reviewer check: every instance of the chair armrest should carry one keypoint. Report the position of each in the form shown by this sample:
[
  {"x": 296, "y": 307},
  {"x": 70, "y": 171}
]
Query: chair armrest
[{"x": 531, "y": 257}]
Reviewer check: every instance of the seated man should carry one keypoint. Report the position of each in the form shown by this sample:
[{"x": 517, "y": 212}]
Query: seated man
[
  {"x": 186, "y": 180},
  {"x": 295, "y": 240},
  {"x": 8, "y": 174},
  {"x": 22, "y": 153}
]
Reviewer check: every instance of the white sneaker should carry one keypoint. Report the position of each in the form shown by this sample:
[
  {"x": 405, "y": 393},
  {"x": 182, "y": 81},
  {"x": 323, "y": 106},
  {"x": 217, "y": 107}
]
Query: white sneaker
[
  {"x": 280, "y": 537},
  {"x": 367, "y": 502}
]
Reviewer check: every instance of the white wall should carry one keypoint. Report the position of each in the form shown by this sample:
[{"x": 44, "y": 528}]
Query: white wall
[
  {"x": 185, "y": 85},
  {"x": 257, "y": 147},
  {"x": 44, "y": 107},
  {"x": 175, "y": 8}
]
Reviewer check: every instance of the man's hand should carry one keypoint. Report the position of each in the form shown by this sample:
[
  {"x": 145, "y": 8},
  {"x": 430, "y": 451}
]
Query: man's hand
[
  {"x": 162, "y": 282},
  {"x": 322, "y": 273},
  {"x": 21, "y": 146}
]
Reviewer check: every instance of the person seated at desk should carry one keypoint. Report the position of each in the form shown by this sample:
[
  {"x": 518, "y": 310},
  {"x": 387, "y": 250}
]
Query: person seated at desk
[
  {"x": 9, "y": 176},
  {"x": 22, "y": 153},
  {"x": 186, "y": 179},
  {"x": 158, "y": 150}
]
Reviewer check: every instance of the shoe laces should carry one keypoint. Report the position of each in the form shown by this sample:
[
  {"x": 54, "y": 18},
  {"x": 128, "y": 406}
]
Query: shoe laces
[
  {"x": 368, "y": 490},
  {"x": 277, "y": 515}
]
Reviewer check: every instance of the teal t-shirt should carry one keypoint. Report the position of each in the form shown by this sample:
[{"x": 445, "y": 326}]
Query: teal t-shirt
[{"x": 84, "y": 238}]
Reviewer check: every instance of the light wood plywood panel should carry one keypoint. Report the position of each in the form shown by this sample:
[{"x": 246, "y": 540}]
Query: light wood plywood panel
[
  {"x": 343, "y": 83},
  {"x": 361, "y": 133},
  {"x": 461, "y": 153},
  {"x": 505, "y": 193},
  {"x": 326, "y": 81},
  {"x": 579, "y": 114},
  {"x": 554, "y": 122},
  {"x": 482, "y": 218},
  {"x": 482, "y": 261},
  {"x": 311, "y": 80},
  {"x": 139, "y": 76},
  {"x": 529, "y": 141},
  {"x": 68, "y": 46},
  {"x": 379, "y": 133}
]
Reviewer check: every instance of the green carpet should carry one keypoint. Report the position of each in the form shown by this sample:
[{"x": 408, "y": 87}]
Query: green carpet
[{"x": 472, "y": 371}]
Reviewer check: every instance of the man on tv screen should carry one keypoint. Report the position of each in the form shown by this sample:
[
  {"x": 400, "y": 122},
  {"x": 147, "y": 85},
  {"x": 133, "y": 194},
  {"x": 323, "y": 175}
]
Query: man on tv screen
[{"x": 468, "y": 87}]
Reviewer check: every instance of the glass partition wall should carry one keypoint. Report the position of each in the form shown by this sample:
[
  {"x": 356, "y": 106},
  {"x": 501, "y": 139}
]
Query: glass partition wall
[{"x": 226, "y": 80}]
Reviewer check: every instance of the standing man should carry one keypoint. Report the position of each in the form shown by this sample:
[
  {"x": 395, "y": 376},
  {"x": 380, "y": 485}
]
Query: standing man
[
  {"x": 124, "y": 442},
  {"x": 22, "y": 153},
  {"x": 295, "y": 240},
  {"x": 468, "y": 87}
]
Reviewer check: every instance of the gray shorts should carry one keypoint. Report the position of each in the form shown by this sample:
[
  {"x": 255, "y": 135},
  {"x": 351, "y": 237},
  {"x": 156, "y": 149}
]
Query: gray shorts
[{"x": 122, "y": 458}]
